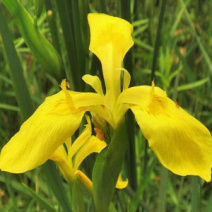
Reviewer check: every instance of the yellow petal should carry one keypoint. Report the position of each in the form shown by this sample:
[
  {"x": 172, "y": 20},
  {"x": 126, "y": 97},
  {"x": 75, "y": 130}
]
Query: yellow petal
[
  {"x": 94, "y": 82},
  {"x": 120, "y": 183},
  {"x": 52, "y": 123},
  {"x": 92, "y": 145},
  {"x": 85, "y": 181},
  {"x": 110, "y": 41},
  {"x": 85, "y": 100},
  {"x": 66, "y": 92},
  {"x": 81, "y": 140},
  {"x": 68, "y": 143},
  {"x": 61, "y": 158},
  {"x": 181, "y": 143},
  {"x": 127, "y": 79},
  {"x": 139, "y": 95},
  {"x": 59, "y": 154}
]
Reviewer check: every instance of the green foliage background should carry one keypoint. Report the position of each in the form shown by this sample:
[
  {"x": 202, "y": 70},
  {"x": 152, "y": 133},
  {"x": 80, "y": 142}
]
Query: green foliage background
[{"x": 173, "y": 46}]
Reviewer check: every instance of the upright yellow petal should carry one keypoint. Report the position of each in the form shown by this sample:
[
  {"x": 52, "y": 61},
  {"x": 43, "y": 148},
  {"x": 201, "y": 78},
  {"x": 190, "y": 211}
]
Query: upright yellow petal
[
  {"x": 127, "y": 79},
  {"x": 81, "y": 140},
  {"x": 65, "y": 166},
  {"x": 92, "y": 145},
  {"x": 94, "y": 82},
  {"x": 182, "y": 143},
  {"x": 52, "y": 123},
  {"x": 110, "y": 41}
]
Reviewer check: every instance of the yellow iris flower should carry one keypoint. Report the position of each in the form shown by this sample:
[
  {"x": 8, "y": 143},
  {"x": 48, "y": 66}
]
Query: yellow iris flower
[
  {"x": 182, "y": 143},
  {"x": 70, "y": 156}
]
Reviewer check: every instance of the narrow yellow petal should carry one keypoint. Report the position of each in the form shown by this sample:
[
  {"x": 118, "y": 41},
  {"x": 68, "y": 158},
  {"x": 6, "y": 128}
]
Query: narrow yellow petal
[
  {"x": 94, "y": 82},
  {"x": 68, "y": 143},
  {"x": 181, "y": 143},
  {"x": 110, "y": 41},
  {"x": 92, "y": 145},
  {"x": 139, "y": 95},
  {"x": 52, "y": 123},
  {"x": 61, "y": 158},
  {"x": 81, "y": 140},
  {"x": 127, "y": 79},
  {"x": 85, "y": 181},
  {"x": 59, "y": 154},
  {"x": 121, "y": 183}
]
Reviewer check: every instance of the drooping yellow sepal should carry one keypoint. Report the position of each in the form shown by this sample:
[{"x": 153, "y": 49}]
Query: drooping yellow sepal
[
  {"x": 52, "y": 123},
  {"x": 181, "y": 142}
]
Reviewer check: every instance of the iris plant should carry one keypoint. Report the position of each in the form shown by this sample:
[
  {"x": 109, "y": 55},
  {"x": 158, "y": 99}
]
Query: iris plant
[{"x": 181, "y": 143}]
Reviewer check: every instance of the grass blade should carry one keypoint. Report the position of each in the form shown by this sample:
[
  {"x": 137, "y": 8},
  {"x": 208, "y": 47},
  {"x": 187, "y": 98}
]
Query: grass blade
[
  {"x": 55, "y": 183},
  {"x": 16, "y": 71},
  {"x": 41, "y": 201},
  {"x": 41, "y": 48},
  {"x": 26, "y": 106},
  {"x": 107, "y": 168}
]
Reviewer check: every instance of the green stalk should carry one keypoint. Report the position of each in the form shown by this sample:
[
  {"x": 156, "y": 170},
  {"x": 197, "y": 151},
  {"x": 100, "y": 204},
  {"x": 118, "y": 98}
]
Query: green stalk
[
  {"x": 158, "y": 38},
  {"x": 52, "y": 25},
  {"x": 74, "y": 17},
  {"x": 107, "y": 167},
  {"x": 209, "y": 30},
  {"x": 128, "y": 63},
  {"x": 54, "y": 180},
  {"x": 84, "y": 6},
  {"x": 16, "y": 72},
  {"x": 195, "y": 194},
  {"x": 51, "y": 17},
  {"x": 39, "y": 5},
  {"x": 102, "y": 6},
  {"x": 163, "y": 190},
  {"x": 68, "y": 35},
  {"x": 80, "y": 52}
]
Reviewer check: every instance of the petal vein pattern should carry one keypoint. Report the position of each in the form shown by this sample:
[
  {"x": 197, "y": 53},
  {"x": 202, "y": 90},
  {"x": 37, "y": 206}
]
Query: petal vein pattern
[{"x": 52, "y": 123}]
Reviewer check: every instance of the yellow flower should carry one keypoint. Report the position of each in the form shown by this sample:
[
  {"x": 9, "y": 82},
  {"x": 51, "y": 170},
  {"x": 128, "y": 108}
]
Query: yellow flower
[
  {"x": 70, "y": 156},
  {"x": 182, "y": 143}
]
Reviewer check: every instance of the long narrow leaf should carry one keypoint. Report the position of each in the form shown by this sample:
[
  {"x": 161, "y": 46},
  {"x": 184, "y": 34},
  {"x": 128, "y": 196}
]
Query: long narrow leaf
[
  {"x": 40, "y": 200},
  {"x": 26, "y": 106},
  {"x": 107, "y": 168},
  {"x": 43, "y": 51},
  {"x": 16, "y": 71}
]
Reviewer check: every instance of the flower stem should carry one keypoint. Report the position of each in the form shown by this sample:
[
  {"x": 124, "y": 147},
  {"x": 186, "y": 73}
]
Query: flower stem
[
  {"x": 128, "y": 63},
  {"x": 195, "y": 194},
  {"x": 158, "y": 38},
  {"x": 16, "y": 71}
]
